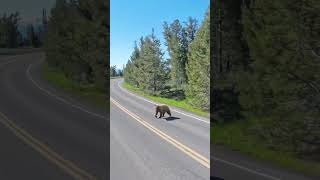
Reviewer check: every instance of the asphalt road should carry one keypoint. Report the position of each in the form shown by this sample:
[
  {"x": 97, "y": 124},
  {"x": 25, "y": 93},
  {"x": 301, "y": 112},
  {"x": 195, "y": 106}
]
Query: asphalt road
[
  {"x": 44, "y": 133},
  {"x": 144, "y": 147},
  {"x": 143, "y": 154}
]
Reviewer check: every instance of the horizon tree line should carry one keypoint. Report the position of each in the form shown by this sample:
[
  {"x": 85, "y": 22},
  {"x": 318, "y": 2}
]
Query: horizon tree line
[
  {"x": 14, "y": 34},
  {"x": 114, "y": 72}
]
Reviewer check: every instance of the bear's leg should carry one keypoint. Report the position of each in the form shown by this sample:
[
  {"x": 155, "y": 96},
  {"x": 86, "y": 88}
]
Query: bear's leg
[
  {"x": 169, "y": 113},
  {"x": 156, "y": 113}
]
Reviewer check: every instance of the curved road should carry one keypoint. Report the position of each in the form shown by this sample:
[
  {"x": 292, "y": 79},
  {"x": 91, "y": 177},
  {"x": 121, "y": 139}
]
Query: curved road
[
  {"x": 44, "y": 133},
  {"x": 144, "y": 154},
  {"x": 144, "y": 147}
]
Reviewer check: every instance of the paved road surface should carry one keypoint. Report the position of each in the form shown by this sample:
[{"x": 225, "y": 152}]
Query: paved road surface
[
  {"x": 140, "y": 152},
  {"x": 47, "y": 135},
  {"x": 44, "y": 134},
  {"x": 145, "y": 155}
]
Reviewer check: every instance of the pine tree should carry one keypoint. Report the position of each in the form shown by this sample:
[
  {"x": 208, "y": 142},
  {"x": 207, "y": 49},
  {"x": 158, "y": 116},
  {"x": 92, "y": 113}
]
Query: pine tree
[
  {"x": 113, "y": 71},
  {"x": 9, "y": 30},
  {"x": 198, "y": 67},
  {"x": 77, "y": 40},
  {"x": 151, "y": 66},
  {"x": 282, "y": 92},
  {"x": 229, "y": 59},
  {"x": 178, "y": 39},
  {"x": 130, "y": 72}
]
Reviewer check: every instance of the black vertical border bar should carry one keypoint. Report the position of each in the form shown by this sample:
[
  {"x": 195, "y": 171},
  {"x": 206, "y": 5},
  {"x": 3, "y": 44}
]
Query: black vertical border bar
[
  {"x": 108, "y": 87},
  {"x": 212, "y": 3}
]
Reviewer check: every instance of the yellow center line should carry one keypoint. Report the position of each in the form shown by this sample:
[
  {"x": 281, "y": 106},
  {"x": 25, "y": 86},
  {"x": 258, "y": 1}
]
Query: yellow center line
[
  {"x": 44, "y": 150},
  {"x": 193, "y": 154}
]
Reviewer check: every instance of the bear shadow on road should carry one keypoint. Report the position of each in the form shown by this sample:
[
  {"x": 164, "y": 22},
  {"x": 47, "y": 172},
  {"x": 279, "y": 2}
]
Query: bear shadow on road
[{"x": 172, "y": 118}]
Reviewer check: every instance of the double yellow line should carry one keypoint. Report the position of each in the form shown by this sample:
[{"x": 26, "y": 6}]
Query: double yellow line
[
  {"x": 193, "y": 154},
  {"x": 44, "y": 150}
]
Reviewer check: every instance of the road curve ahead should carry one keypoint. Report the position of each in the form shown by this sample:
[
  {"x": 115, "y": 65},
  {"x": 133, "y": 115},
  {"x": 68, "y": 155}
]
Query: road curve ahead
[
  {"x": 144, "y": 147},
  {"x": 44, "y": 133},
  {"x": 140, "y": 152}
]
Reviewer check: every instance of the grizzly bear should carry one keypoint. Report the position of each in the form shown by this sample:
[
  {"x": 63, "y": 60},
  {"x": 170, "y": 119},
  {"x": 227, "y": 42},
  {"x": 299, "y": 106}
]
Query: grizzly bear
[{"x": 162, "y": 109}]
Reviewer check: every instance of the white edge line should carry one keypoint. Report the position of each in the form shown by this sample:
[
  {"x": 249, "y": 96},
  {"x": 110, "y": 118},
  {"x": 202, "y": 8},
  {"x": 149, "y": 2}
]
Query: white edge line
[
  {"x": 59, "y": 98},
  {"x": 208, "y": 122},
  {"x": 100, "y": 116},
  {"x": 244, "y": 168},
  {"x": 184, "y": 148},
  {"x": 216, "y": 159}
]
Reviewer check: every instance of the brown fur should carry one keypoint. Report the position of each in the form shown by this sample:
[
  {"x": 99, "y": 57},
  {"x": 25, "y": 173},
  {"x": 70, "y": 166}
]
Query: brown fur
[{"x": 162, "y": 109}]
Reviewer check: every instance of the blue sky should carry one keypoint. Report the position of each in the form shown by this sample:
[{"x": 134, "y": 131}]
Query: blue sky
[{"x": 129, "y": 20}]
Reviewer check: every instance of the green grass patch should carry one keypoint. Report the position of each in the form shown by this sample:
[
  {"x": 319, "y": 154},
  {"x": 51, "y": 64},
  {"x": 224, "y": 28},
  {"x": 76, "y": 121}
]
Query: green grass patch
[
  {"x": 232, "y": 135},
  {"x": 183, "y": 104},
  {"x": 85, "y": 92}
]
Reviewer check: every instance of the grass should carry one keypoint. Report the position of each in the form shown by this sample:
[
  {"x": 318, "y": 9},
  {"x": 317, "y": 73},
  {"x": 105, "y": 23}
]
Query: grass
[
  {"x": 182, "y": 104},
  {"x": 88, "y": 93},
  {"x": 232, "y": 135}
]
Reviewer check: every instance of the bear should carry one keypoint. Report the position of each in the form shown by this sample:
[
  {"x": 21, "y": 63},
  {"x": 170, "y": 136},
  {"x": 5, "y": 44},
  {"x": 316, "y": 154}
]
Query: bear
[{"x": 162, "y": 109}]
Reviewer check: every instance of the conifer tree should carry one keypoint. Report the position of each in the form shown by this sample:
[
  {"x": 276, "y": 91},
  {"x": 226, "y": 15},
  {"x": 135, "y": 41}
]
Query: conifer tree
[
  {"x": 77, "y": 41},
  {"x": 282, "y": 92},
  {"x": 151, "y": 66},
  {"x": 198, "y": 67},
  {"x": 178, "y": 39}
]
